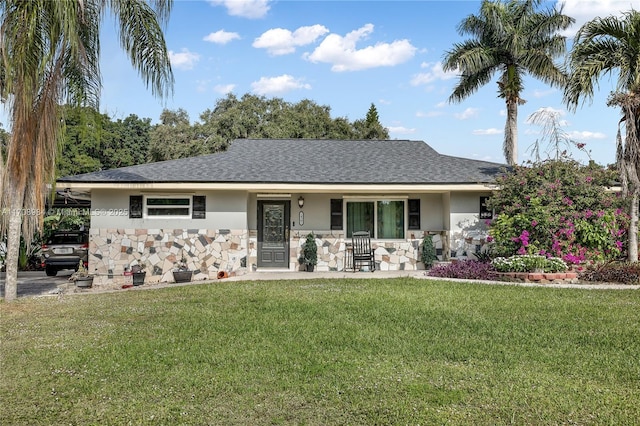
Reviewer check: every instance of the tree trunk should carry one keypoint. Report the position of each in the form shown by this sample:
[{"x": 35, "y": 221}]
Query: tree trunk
[
  {"x": 511, "y": 133},
  {"x": 633, "y": 228},
  {"x": 16, "y": 198}
]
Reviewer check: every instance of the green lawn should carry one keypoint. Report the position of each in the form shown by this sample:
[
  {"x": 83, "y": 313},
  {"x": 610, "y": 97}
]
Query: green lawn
[{"x": 323, "y": 352}]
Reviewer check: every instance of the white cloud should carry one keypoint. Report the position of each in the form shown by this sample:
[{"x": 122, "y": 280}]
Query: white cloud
[
  {"x": 342, "y": 53},
  {"x": 467, "y": 114},
  {"x": 185, "y": 60},
  {"x": 223, "y": 89},
  {"x": 436, "y": 73},
  {"x": 586, "y": 135},
  {"x": 400, "y": 130},
  {"x": 221, "y": 37},
  {"x": 484, "y": 132},
  {"x": 441, "y": 104},
  {"x": 586, "y": 10},
  {"x": 252, "y": 9},
  {"x": 280, "y": 41},
  {"x": 278, "y": 85}
]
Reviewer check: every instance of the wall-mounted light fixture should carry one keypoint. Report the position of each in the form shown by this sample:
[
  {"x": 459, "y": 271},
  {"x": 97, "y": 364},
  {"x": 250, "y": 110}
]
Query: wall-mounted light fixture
[{"x": 301, "y": 201}]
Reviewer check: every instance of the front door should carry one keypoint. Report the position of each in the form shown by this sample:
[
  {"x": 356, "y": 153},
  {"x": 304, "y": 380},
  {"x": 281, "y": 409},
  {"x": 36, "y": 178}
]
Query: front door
[{"x": 273, "y": 233}]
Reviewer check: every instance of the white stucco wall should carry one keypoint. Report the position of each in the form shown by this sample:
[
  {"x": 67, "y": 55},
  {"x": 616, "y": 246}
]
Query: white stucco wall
[
  {"x": 467, "y": 230},
  {"x": 225, "y": 210}
]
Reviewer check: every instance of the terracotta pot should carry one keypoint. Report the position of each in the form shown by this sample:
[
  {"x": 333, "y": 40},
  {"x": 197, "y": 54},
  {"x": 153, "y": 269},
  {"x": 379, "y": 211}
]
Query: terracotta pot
[{"x": 222, "y": 274}]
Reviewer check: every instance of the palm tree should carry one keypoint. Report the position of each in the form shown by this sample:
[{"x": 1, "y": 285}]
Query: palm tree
[
  {"x": 49, "y": 54},
  {"x": 512, "y": 38},
  {"x": 611, "y": 45}
]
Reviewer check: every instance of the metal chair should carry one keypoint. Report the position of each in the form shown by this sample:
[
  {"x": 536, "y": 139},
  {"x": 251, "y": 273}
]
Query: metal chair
[{"x": 361, "y": 250}]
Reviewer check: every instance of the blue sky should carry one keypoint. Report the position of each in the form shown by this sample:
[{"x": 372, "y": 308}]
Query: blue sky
[{"x": 347, "y": 55}]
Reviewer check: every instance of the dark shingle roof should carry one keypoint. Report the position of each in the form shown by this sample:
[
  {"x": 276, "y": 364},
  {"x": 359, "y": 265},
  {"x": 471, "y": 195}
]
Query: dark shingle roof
[{"x": 309, "y": 161}]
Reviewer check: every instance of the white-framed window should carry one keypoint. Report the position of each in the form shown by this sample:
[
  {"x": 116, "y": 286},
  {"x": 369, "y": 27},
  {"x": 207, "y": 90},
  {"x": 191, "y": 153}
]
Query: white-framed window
[
  {"x": 174, "y": 206},
  {"x": 384, "y": 219}
]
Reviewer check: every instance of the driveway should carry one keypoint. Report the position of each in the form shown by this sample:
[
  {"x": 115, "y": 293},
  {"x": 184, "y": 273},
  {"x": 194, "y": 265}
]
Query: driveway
[{"x": 37, "y": 283}]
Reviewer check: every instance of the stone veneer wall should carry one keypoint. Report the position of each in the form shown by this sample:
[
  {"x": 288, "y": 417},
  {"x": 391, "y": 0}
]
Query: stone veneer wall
[
  {"x": 389, "y": 255},
  {"x": 206, "y": 252}
]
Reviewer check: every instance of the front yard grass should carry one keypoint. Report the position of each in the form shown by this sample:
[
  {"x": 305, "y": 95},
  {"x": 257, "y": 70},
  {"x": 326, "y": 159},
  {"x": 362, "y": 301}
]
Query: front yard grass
[{"x": 319, "y": 352}]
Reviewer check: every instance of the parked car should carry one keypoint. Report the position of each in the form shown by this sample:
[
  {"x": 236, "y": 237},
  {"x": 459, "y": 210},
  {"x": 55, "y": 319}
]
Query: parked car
[{"x": 64, "y": 250}]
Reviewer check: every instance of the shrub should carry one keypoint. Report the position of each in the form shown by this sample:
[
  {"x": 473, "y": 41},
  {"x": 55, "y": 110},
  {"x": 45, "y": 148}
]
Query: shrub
[
  {"x": 467, "y": 269},
  {"x": 559, "y": 208},
  {"x": 529, "y": 263},
  {"x": 625, "y": 273},
  {"x": 428, "y": 251},
  {"x": 310, "y": 250}
]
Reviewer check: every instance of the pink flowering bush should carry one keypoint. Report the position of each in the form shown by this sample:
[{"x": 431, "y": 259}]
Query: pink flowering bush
[{"x": 559, "y": 208}]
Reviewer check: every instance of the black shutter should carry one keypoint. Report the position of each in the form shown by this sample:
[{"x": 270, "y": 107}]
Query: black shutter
[
  {"x": 336, "y": 214},
  {"x": 414, "y": 214},
  {"x": 135, "y": 206},
  {"x": 199, "y": 210}
]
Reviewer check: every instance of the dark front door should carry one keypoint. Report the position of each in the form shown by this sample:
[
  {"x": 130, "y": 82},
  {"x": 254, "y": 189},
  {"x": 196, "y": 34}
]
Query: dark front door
[{"x": 273, "y": 234}]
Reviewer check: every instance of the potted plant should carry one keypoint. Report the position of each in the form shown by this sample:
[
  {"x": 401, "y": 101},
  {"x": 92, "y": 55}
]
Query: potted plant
[
  {"x": 81, "y": 277},
  {"x": 138, "y": 274},
  {"x": 181, "y": 272},
  {"x": 310, "y": 252}
]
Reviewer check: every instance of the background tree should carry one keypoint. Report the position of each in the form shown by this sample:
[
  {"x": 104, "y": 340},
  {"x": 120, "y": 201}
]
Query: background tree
[
  {"x": 4, "y": 141},
  {"x": 174, "y": 137},
  {"x": 49, "y": 54},
  {"x": 512, "y": 38},
  {"x": 81, "y": 147},
  {"x": 128, "y": 143},
  {"x": 611, "y": 46},
  {"x": 370, "y": 127}
]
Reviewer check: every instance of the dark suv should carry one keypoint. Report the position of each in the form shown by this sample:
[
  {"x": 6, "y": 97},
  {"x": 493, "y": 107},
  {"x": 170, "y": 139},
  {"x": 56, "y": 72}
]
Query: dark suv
[{"x": 64, "y": 250}]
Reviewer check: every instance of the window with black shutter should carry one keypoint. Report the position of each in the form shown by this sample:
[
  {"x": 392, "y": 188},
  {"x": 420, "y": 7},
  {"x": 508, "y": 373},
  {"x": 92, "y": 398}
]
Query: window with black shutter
[
  {"x": 336, "y": 214},
  {"x": 414, "y": 214},
  {"x": 199, "y": 210},
  {"x": 135, "y": 206}
]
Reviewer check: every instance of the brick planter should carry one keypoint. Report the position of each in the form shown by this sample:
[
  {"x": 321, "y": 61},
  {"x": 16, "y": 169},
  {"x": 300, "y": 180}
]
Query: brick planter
[{"x": 539, "y": 276}]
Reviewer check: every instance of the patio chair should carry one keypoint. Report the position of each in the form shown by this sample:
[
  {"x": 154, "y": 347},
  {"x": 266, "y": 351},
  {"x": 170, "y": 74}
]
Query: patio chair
[{"x": 361, "y": 250}]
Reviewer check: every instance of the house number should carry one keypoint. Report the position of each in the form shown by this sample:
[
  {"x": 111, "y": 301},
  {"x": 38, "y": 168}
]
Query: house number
[{"x": 301, "y": 219}]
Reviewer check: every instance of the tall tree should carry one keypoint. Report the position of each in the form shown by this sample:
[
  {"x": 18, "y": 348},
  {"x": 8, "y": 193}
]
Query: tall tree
[
  {"x": 370, "y": 127},
  {"x": 513, "y": 38},
  {"x": 611, "y": 46},
  {"x": 49, "y": 54},
  {"x": 174, "y": 137}
]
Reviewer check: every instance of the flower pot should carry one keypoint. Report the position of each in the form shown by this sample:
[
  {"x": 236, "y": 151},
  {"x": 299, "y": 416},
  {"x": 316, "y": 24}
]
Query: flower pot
[
  {"x": 84, "y": 282},
  {"x": 182, "y": 276},
  {"x": 223, "y": 274},
  {"x": 138, "y": 278},
  {"x": 309, "y": 267}
]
